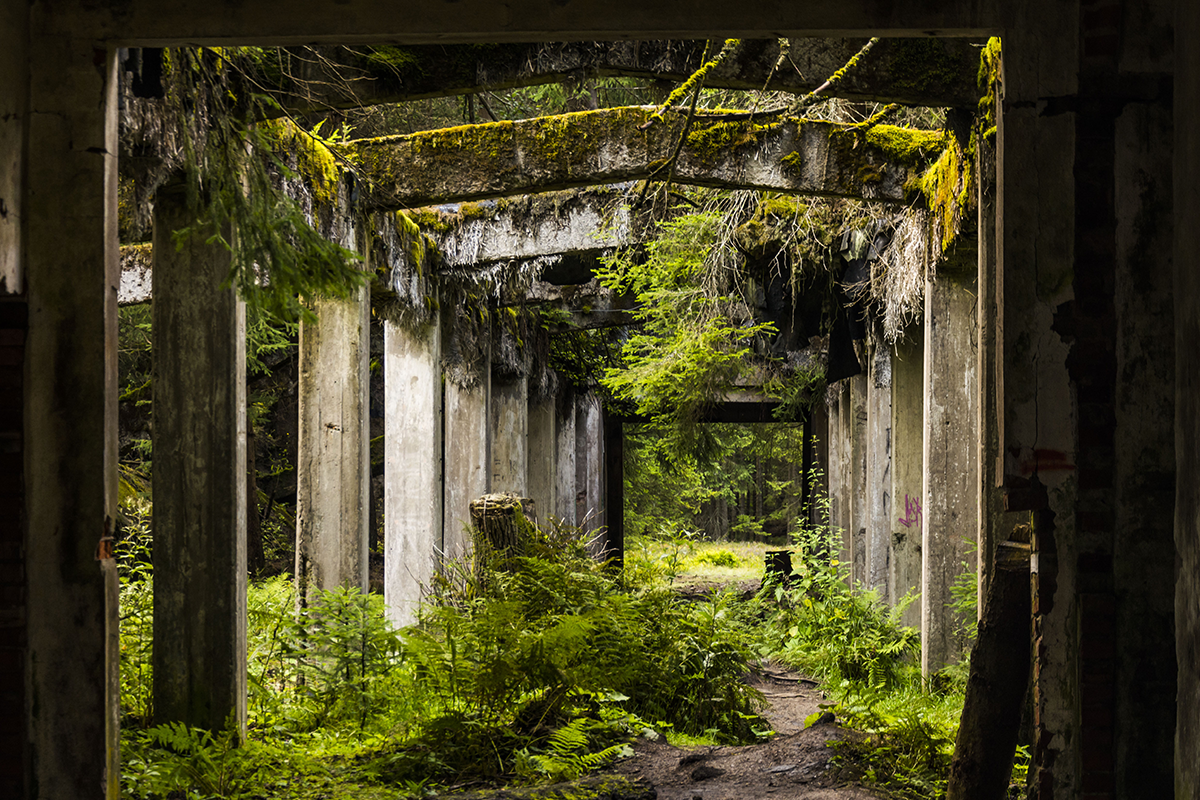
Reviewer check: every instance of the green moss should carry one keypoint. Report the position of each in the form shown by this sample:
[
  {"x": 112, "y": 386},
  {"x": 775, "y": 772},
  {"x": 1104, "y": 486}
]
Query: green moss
[
  {"x": 708, "y": 143},
  {"x": 948, "y": 189},
  {"x": 922, "y": 67},
  {"x": 905, "y": 146},
  {"x": 315, "y": 161},
  {"x": 988, "y": 80}
]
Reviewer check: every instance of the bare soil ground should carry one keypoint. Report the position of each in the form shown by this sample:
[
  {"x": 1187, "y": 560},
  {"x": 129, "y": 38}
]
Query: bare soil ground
[{"x": 795, "y": 763}]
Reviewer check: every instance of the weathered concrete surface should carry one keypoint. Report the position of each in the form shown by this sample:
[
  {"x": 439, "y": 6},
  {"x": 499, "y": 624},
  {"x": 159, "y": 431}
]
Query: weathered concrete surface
[
  {"x": 65, "y": 731},
  {"x": 1036, "y": 195},
  {"x": 857, "y": 479},
  {"x": 333, "y": 454},
  {"x": 542, "y": 456},
  {"x": 564, "y": 457},
  {"x": 589, "y": 468},
  {"x": 1143, "y": 549},
  {"x": 407, "y": 21},
  {"x": 477, "y": 162},
  {"x": 908, "y": 435},
  {"x": 1187, "y": 401},
  {"x": 467, "y": 461},
  {"x": 412, "y": 466},
  {"x": 199, "y": 480},
  {"x": 950, "y": 487},
  {"x": 835, "y": 448},
  {"x": 508, "y": 435},
  {"x": 920, "y": 72},
  {"x": 879, "y": 472},
  {"x": 591, "y": 220}
]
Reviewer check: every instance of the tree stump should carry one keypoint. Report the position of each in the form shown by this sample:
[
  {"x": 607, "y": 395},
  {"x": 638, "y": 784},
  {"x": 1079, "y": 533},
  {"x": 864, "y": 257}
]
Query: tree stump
[
  {"x": 778, "y": 567},
  {"x": 500, "y": 525}
]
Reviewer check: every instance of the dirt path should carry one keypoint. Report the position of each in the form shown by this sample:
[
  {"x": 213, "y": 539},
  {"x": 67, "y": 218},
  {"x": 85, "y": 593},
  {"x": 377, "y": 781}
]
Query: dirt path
[{"x": 793, "y": 764}]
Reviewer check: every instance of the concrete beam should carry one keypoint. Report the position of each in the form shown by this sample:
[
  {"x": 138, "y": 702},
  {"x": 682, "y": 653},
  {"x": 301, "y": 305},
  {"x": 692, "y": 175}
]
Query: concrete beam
[
  {"x": 272, "y": 22},
  {"x": 477, "y": 162},
  {"x": 950, "y": 487},
  {"x": 65, "y": 727},
  {"x": 199, "y": 480},
  {"x": 918, "y": 72},
  {"x": 412, "y": 466},
  {"x": 580, "y": 221}
]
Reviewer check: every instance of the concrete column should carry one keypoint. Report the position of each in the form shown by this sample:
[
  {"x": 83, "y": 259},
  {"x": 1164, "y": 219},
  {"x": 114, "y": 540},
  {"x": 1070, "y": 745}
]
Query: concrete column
[
  {"x": 950, "y": 486},
  {"x": 509, "y": 436},
  {"x": 879, "y": 472},
  {"x": 1187, "y": 399},
  {"x": 589, "y": 465},
  {"x": 1036, "y": 200},
  {"x": 858, "y": 479},
  {"x": 333, "y": 467},
  {"x": 542, "y": 480},
  {"x": 833, "y": 445},
  {"x": 412, "y": 517},
  {"x": 564, "y": 454},
  {"x": 466, "y": 460},
  {"x": 199, "y": 478},
  {"x": 67, "y": 210},
  {"x": 908, "y": 437}
]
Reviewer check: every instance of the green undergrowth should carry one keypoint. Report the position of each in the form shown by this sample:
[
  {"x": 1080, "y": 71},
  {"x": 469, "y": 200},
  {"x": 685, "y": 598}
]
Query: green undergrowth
[{"x": 533, "y": 668}]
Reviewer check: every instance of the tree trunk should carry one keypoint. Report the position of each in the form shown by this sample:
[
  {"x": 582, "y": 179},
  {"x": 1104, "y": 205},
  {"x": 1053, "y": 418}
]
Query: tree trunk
[{"x": 996, "y": 687}]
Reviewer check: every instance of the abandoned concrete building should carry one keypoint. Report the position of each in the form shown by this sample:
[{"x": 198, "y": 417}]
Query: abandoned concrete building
[{"x": 1050, "y": 383}]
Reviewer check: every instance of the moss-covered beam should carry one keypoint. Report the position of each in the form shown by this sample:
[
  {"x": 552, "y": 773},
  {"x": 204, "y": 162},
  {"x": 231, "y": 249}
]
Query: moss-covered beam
[
  {"x": 477, "y": 162},
  {"x": 921, "y": 72},
  {"x": 572, "y": 222}
]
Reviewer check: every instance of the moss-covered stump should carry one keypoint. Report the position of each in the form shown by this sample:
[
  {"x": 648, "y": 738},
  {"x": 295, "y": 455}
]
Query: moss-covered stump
[
  {"x": 500, "y": 526},
  {"x": 596, "y": 787}
]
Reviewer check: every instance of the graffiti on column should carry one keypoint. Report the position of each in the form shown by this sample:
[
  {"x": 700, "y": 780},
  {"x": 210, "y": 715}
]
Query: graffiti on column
[{"x": 912, "y": 512}]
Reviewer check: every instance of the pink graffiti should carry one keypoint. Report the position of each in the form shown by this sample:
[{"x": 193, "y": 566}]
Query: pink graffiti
[{"x": 912, "y": 512}]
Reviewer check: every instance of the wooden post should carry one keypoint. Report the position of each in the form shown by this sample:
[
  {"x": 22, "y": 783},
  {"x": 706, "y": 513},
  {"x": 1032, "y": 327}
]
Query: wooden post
[{"x": 999, "y": 679}]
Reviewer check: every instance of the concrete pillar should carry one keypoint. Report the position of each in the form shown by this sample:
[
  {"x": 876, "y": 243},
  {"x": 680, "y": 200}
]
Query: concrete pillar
[
  {"x": 1187, "y": 397},
  {"x": 564, "y": 455},
  {"x": 509, "y": 435},
  {"x": 199, "y": 478},
  {"x": 466, "y": 458},
  {"x": 412, "y": 516},
  {"x": 65, "y": 730},
  {"x": 908, "y": 437},
  {"x": 333, "y": 470},
  {"x": 857, "y": 529},
  {"x": 879, "y": 472},
  {"x": 833, "y": 444},
  {"x": 542, "y": 480},
  {"x": 950, "y": 486},
  {"x": 1143, "y": 457},
  {"x": 589, "y": 465}
]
